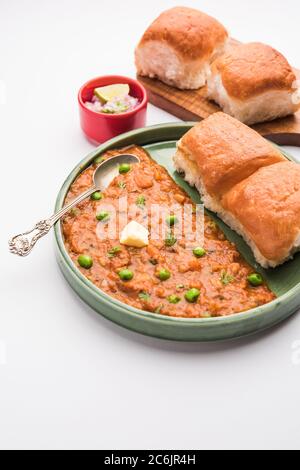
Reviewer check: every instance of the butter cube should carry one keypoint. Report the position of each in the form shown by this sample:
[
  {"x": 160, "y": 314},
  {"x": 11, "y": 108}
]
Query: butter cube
[{"x": 134, "y": 234}]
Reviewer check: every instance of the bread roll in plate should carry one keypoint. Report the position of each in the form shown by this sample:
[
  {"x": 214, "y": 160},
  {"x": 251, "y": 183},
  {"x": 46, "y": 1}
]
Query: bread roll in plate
[
  {"x": 247, "y": 182},
  {"x": 179, "y": 46},
  {"x": 219, "y": 152},
  {"x": 253, "y": 83},
  {"x": 265, "y": 210}
]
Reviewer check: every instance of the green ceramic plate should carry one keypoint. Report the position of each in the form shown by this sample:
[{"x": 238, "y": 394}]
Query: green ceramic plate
[{"x": 160, "y": 142}]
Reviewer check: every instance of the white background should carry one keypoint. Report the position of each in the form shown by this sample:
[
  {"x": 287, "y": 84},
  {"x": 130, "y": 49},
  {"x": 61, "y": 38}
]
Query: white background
[{"x": 68, "y": 377}]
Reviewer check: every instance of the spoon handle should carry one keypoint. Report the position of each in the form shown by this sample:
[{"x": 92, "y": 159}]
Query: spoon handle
[
  {"x": 58, "y": 215},
  {"x": 23, "y": 244}
]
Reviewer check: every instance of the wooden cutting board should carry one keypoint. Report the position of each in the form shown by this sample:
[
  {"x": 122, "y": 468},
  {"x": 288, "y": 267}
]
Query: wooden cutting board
[{"x": 191, "y": 105}]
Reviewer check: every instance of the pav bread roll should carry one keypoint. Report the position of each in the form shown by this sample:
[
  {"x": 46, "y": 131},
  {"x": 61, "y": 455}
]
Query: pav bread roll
[
  {"x": 265, "y": 210},
  {"x": 219, "y": 152},
  {"x": 178, "y": 47},
  {"x": 247, "y": 182},
  {"x": 253, "y": 83}
]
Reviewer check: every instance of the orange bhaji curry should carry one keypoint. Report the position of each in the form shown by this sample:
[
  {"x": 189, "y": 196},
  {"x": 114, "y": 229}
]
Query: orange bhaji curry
[{"x": 169, "y": 276}]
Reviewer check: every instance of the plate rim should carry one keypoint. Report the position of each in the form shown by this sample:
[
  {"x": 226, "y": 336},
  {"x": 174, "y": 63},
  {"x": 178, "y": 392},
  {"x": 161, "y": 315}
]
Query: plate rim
[{"x": 254, "y": 313}]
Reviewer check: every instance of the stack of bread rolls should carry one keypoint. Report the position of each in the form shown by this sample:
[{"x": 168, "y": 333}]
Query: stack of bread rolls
[
  {"x": 247, "y": 182},
  {"x": 188, "y": 49}
]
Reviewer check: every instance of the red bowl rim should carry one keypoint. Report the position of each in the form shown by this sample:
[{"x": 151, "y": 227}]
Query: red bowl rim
[{"x": 127, "y": 80}]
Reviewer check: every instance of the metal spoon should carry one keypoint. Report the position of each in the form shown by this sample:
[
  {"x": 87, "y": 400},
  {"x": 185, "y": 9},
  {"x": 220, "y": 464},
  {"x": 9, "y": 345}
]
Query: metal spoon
[{"x": 22, "y": 244}]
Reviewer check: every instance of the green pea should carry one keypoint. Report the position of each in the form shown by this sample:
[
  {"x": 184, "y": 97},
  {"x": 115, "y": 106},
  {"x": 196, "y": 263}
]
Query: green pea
[
  {"x": 192, "y": 295},
  {"x": 126, "y": 275},
  {"x": 171, "y": 220},
  {"x": 99, "y": 160},
  {"x": 255, "y": 279},
  {"x": 103, "y": 216},
  {"x": 199, "y": 252},
  {"x": 164, "y": 274},
  {"x": 85, "y": 261},
  {"x": 96, "y": 196},
  {"x": 174, "y": 299},
  {"x": 124, "y": 168}
]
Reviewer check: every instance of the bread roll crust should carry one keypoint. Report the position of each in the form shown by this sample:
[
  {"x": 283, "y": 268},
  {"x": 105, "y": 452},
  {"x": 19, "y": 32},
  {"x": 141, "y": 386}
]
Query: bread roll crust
[
  {"x": 267, "y": 205},
  {"x": 248, "y": 70},
  {"x": 226, "y": 152},
  {"x": 190, "y": 32}
]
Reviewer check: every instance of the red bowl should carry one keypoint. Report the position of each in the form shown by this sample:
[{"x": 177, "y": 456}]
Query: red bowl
[{"x": 99, "y": 127}]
